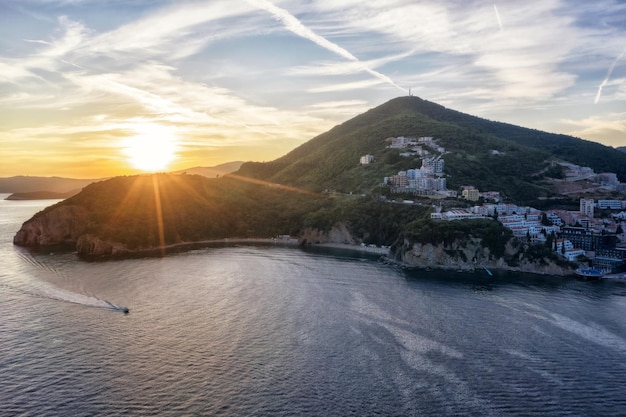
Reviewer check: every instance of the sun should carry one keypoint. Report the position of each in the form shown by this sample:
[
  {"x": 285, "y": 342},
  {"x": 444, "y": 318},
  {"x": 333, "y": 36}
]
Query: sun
[{"x": 152, "y": 148}]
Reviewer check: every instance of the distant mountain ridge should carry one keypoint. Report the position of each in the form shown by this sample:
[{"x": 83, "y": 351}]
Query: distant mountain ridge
[
  {"x": 331, "y": 160},
  {"x": 212, "y": 172},
  {"x": 27, "y": 184},
  {"x": 621, "y": 148},
  {"x": 69, "y": 186}
]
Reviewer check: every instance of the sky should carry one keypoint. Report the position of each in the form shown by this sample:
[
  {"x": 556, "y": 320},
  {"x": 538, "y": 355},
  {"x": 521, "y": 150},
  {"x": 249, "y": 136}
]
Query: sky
[{"x": 96, "y": 88}]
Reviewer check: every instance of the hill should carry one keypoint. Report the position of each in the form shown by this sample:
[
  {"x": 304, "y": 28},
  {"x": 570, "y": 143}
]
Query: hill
[
  {"x": 27, "y": 184},
  {"x": 130, "y": 214},
  {"x": 212, "y": 172},
  {"x": 490, "y": 155},
  {"x": 58, "y": 187},
  {"x": 41, "y": 195},
  {"x": 160, "y": 213},
  {"x": 621, "y": 148}
]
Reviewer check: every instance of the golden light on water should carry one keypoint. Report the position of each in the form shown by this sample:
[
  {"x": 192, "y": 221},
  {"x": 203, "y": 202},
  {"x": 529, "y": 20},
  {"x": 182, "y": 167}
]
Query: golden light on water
[{"x": 152, "y": 148}]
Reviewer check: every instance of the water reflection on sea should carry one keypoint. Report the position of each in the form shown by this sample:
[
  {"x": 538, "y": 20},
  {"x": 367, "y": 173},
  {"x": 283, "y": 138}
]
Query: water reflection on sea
[{"x": 263, "y": 330}]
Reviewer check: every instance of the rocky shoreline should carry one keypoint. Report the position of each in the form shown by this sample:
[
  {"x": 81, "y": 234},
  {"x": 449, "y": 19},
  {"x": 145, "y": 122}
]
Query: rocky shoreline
[{"x": 65, "y": 226}]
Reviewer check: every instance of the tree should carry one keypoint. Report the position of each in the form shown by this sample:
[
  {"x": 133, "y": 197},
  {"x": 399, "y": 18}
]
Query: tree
[
  {"x": 619, "y": 229},
  {"x": 549, "y": 239},
  {"x": 544, "y": 220}
]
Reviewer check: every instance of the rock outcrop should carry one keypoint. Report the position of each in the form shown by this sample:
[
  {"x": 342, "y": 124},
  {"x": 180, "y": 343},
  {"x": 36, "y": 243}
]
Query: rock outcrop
[
  {"x": 467, "y": 255},
  {"x": 339, "y": 233},
  {"x": 61, "y": 225},
  {"x": 93, "y": 246}
]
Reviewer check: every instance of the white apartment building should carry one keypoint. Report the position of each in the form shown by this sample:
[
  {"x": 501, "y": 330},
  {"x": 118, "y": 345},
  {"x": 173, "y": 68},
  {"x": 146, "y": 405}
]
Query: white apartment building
[
  {"x": 612, "y": 204},
  {"x": 367, "y": 159},
  {"x": 587, "y": 206}
]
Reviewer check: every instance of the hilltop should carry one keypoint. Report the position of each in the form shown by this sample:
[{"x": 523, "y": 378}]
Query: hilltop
[{"x": 514, "y": 160}]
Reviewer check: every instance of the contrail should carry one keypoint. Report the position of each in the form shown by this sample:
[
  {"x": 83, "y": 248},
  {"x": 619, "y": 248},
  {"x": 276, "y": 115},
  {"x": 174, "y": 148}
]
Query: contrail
[
  {"x": 295, "y": 26},
  {"x": 497, "y": 16},
  {"x": 608, "y": 75}
]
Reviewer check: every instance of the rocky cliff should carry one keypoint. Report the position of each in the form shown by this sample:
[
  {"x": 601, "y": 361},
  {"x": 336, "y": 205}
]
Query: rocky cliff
[
  {"x": 93, "y": 246},
  {"x": 65, "y": 226},
  {"x": 339, "y": 233},
  {"x": 470, "y": 254},
  {"x": 60, "y": 225}
]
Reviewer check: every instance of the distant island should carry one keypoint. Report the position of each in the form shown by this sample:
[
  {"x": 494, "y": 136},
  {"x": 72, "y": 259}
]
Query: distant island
[
  {"x": 433, "y": 187},
  {"x": 41, "y": 195}
]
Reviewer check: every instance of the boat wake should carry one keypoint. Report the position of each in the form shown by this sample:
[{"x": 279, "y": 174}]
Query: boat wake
[{"x": 44, "y": 289}]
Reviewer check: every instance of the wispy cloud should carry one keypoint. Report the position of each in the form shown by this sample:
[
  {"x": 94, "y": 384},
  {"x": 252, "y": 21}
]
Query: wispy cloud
[
  {"x": 495, "y": 9},
  {"x": 231, "y": 82},
  {"x": 295, "y": 26},
  {"x": 608, "y": 75}
]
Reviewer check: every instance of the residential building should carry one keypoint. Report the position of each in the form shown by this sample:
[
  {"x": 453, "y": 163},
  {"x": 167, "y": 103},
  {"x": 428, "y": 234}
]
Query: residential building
[
  {"x": 579, "y": 236},
  {"x": 491, "y": 195},
  {"x": 586, "y": 206},
  {"x": 612, "y": 204},
  {"x": 436, "y": 164},
  {"x": 367, "y": 159},
  {"x": 470, "y": 193},
  {"x": 554, "y": 217}
]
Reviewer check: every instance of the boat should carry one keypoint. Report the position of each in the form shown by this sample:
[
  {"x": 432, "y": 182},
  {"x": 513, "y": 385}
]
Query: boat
[{"x": 591, "y": 273}]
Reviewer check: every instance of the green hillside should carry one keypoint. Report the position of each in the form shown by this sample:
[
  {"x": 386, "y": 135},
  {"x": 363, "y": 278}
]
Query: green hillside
[
  {"x": 194, "y": 208},
  {"x": 517, "y": 169},
  {"x": 190, "y": 208}
]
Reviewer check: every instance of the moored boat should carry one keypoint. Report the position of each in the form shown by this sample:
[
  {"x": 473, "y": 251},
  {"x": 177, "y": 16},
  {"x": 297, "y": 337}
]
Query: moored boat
[{"x": 591, "y": 273}]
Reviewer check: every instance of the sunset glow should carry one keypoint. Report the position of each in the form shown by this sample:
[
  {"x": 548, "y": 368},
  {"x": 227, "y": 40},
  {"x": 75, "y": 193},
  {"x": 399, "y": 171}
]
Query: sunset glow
[
  {"x": 252, "y": 80},
  {"x": 152, "y": 149}
]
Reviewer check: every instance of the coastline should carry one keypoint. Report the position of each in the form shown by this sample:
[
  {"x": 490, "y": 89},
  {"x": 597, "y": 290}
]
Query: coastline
[
  {"x": 288, "y": 241},
  {"x": 161, "y": 251},
  {"x": 359, "y": 248}
]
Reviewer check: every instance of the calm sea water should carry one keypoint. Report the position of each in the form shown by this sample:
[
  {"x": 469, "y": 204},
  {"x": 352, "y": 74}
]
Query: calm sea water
[{"x": 272, "y": 331}]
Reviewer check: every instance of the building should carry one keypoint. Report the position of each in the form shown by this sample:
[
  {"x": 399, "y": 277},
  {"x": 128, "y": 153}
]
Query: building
[
  {"x": 491, "y": 195},
  {"x": 585, "y": 238},
  {"x": 610, "y": 260},
  {"x": 436, "y": 164},
  {"x": 401, "y": 142},
  {"x": 579, "y": 236},
  {"x": 422, "y": 181},
  {"x": 456, "y": 214},
  {"x": 367, "y": 159},
  {"x": 611, "y": 204},
  {"x": 586, "y": 207},
  {"x": 554, "y": 217},
  {"x": 470, "y": 193},
  {"x": 565, "y": 248}
]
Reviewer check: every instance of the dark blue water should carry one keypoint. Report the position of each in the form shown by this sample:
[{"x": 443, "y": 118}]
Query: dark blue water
[{"x": 269, "y": 331}]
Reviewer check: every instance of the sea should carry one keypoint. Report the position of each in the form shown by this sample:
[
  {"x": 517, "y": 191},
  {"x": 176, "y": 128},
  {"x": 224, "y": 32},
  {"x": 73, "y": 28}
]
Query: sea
[{"x": 264, "y": 330}]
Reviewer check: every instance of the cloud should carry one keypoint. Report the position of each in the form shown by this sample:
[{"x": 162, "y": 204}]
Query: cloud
[
  {"x": 228, "y": 78},
  {"x": 608, "y": 75},
  {"x": 609, "y": 129},
  {"x": 295, "y": 26},
  {"x": 495, "y": 9}
]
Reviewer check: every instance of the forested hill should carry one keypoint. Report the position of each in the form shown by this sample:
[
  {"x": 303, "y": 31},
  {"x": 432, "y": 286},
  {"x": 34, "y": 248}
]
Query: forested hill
[{"x": 331, "y": 160}]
